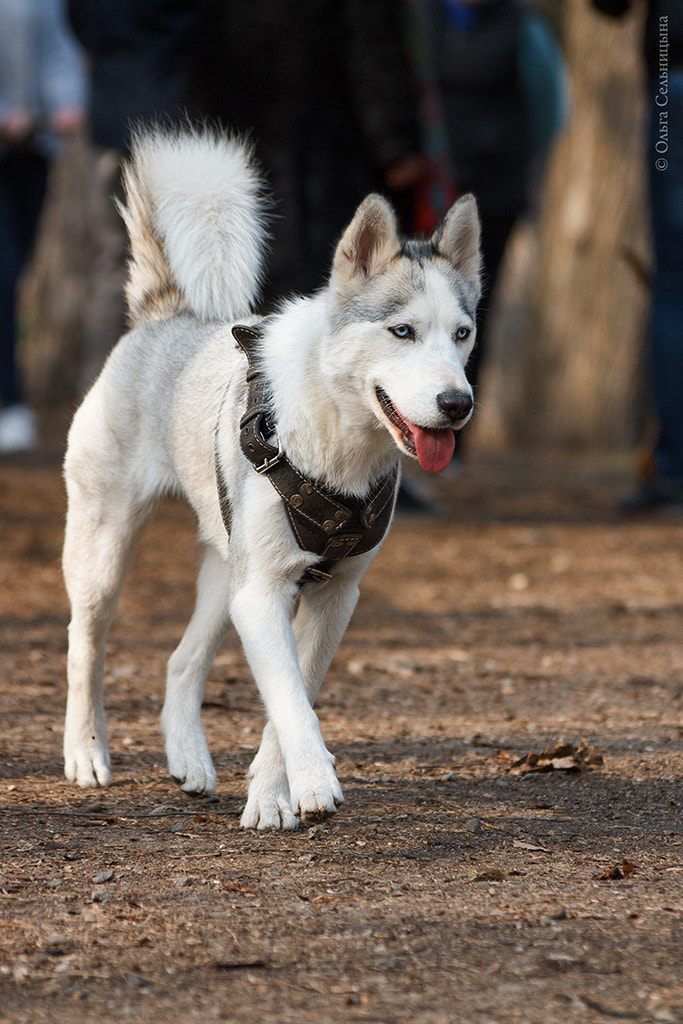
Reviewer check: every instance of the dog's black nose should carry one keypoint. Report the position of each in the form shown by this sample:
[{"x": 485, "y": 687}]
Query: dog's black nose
[{"x": 455, "y": 404}]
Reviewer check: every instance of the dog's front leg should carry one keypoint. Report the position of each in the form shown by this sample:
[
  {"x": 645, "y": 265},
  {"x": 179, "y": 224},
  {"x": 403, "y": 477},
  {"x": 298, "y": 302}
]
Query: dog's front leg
[
  {"x": 293, "y": 753},
  {"x": 322, "y": 617},
  {"x": 269, "y": 803}
]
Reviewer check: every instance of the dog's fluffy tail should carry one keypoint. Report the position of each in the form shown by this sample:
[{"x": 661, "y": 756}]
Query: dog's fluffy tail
[{"x": 195, "y": 215}]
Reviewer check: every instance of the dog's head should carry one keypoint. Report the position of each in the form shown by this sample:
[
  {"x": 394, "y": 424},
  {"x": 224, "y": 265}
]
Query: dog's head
[{"x": 406, "y": 312}]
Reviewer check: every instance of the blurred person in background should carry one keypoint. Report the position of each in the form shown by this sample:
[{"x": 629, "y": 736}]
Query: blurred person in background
[
  {"x": 661, "y": 489},
  {"x": 495, "y": 94},
  {"x": 139, "y": 54},
  {"x": 326, "y": 92},
  {"x": 42, "y": 96}
]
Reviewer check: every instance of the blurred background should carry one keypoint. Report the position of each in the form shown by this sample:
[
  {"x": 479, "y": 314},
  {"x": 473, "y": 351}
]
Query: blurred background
[{"x": 566, "y": 312}]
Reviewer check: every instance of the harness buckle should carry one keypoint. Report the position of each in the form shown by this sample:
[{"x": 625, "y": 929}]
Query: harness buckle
[{"x": 271, "y": 461}]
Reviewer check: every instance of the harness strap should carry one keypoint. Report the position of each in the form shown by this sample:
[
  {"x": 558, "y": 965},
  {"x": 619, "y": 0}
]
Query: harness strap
[{"x": 325, "y": 523}]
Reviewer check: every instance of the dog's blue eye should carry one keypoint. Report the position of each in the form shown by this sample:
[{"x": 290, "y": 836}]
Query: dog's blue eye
[
  {"x": 403, "y": 331},
  {"x": 462, "y": 334}
]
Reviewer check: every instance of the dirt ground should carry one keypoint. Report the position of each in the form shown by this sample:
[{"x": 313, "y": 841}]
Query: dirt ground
[{"x": 459, "y": 882}]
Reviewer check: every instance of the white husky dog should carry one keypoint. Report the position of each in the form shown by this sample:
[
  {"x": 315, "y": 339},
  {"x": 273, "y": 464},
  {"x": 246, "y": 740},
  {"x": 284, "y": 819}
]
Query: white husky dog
[{"x": 288, "y": 457}]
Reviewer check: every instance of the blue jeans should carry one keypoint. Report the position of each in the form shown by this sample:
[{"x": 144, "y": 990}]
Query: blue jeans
[
  {"x": 23, "y": 178},
  {"x": 666, "y": 329}
]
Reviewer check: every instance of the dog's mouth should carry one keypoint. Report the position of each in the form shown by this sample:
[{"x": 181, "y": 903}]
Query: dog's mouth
[{"x": 432, "y": 446}]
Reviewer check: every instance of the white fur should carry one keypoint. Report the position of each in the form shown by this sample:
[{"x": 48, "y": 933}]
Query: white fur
[
  {"x": 173, "y": 386},
  {"x": 199, "y": 194}
]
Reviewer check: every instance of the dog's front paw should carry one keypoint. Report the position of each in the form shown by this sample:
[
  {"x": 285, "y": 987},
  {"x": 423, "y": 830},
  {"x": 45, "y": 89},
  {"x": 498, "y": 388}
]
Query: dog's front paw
[
  {"x": 268, "y": 803},
  {"x": 315, "y": 790},
  {"x": 87, "y": 763}
]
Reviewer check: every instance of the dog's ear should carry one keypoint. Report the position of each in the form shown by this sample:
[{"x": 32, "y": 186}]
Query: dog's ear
[
  {"x": 457, "y": 237},
  {"x": 369, "y": 242}
]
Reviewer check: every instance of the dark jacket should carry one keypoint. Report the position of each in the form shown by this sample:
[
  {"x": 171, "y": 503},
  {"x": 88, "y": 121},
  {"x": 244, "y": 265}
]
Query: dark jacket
[
  {"x": 325, "y": 89},
  {"x": 483, "y": 104},
  {"x": 139, "y": 56}
]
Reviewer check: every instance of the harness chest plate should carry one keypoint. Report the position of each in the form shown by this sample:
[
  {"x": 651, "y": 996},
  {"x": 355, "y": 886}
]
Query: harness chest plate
[{"x": 328, "y": 524}]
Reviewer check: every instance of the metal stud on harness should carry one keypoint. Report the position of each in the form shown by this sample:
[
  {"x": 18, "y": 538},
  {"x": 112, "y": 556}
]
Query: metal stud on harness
[{"x": 328, "y": 524}]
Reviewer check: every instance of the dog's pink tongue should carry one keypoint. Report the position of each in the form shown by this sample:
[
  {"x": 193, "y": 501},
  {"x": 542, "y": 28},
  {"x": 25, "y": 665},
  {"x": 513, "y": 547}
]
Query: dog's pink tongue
[{"x": 434, "y": 448}]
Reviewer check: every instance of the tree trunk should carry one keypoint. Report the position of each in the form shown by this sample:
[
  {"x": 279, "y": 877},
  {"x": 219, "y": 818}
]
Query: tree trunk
[
  {"x": 54, "y": 290},
  {"x": 567, "y": 354}
]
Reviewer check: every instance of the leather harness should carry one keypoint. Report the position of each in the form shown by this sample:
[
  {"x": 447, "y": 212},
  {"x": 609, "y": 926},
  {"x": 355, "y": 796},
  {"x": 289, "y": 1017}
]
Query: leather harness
[{"x": 328, "y": 524}]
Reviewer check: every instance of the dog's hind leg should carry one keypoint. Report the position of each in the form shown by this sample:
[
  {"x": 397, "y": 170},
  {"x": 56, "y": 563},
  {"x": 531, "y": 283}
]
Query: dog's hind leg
[
  {"x": 321, "y": 620},
  {"x": 100, "y": 542},
  {"x": 187, "y": 752}
]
